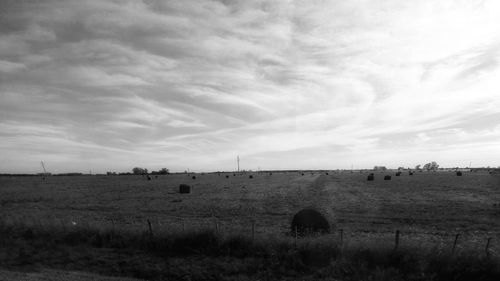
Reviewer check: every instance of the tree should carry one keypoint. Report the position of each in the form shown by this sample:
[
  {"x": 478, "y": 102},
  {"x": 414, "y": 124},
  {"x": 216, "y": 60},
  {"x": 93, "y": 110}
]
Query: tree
[
  {"x": 432, "y": 166},
  {"x": 417, "y": 167},
  {"x": 163, "y": 171},
  {"x": 379, "y": 168},
  {"x": 139, "y": 171}
]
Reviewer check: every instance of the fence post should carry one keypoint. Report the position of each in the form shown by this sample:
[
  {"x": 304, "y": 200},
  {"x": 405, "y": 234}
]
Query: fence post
[
  {"x": 341, "y": 241},
  {"x": 112, "y": 228},
  {"x": 296, "y": 236},
  {"x": 62, "y": 224},
  {"x": 455, "y": 243},
  {"x": 216, "y": 225},
  {"x": 487, "y": 247},
  {"x": 150, "y": 228},
  {"x": 253, "y": 232},
  {"x": 396, "y": 240}
]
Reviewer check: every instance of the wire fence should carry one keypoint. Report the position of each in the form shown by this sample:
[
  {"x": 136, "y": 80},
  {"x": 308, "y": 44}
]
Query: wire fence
[{"x": 453, "y": 242}]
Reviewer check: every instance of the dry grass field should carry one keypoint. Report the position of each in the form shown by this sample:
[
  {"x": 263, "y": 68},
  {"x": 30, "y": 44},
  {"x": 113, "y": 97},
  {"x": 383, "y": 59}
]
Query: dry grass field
[
  {"x": 437, "y": 203},
  {"x": 428, "y": 208}
]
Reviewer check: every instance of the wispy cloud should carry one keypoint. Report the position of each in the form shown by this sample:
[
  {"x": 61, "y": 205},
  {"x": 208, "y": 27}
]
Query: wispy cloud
[{"x": 285, "y": 84}]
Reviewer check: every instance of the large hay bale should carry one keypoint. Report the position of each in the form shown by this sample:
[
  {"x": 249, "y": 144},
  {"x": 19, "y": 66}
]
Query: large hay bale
[
  {"x": 370, "y": 177},
  {"x": 184, "y": 188},
  {"x": 387, "y": 178},
  {"x": 309, "y": 221},
  {"x": 398, "y": 174},
  {"x": 410, "y": 173},
  {"x": 459, "y": 173}
]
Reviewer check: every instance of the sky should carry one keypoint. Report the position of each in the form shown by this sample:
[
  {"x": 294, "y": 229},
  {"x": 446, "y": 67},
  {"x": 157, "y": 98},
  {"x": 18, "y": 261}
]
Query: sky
[{"x": 111, "y": 85}]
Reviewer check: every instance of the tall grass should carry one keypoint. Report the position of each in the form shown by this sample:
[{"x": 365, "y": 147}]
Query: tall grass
[{"x": 206, "y": 255}]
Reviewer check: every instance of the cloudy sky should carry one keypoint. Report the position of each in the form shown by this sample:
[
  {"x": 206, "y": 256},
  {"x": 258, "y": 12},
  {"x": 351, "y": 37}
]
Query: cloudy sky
[{"x": 110, "y": 85}]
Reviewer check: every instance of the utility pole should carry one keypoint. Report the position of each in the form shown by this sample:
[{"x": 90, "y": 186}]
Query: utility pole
[
  {"x": 43, "y": 166},
  {"x": 238, "y": 160}
]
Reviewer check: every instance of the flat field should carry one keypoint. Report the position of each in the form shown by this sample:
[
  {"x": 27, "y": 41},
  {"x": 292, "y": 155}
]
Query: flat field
[{"x": 428, "y": 207}]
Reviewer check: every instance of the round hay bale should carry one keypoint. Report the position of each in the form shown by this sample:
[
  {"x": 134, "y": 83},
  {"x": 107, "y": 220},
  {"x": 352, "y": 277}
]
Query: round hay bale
[
  {"x": 410, "y": 173},
  {"x": 308, "y": 221},
  {"x": 184, "y": 188},
  {"x": 227, "y": 176},
  {"x": 193, "y": 177},
  {"x": 302, "y": 173},
  {"x": 398, "y": 174},
  {"x": 370, "y": 177},
  {"x": 149, "y": 178},
  {"x": 250, "y": 176},
  {"x": 327, "y": 174},
  {"x": 387, "y": 178},
  {"x": 459, "y": 173}
]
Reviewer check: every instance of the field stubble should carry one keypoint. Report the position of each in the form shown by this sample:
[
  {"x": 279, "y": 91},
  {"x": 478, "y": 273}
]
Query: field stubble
[{"x": 426, "y": 207}]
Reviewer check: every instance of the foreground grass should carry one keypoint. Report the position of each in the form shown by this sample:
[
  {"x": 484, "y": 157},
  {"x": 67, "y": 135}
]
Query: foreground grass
[{"x": 205, "y": 255}]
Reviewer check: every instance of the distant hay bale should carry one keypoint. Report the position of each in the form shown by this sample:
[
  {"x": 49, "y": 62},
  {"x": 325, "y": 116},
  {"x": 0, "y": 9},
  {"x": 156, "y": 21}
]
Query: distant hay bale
[
  {"x": 149, "y": 178},
  {"x": 309, "y": 221},
  {"x": 250, "y": 176},
  {"x": 398, "y": 174},
  {"x": 184, "y": 188},
  {"x": 370, "y": 177},
  {"x": 302, "y": 173},
  {"x": 387, "y": 178},
  {"x": 227, "y": 176},
  {"x": 326, "y": 173},
  {"x": 193, "y": 177},
  {"x": 459, "y": 173},
  {"x": 410, "y": 173}
]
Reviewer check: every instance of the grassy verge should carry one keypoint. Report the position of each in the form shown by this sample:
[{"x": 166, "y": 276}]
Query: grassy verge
[{"x": 205, "y": 255}]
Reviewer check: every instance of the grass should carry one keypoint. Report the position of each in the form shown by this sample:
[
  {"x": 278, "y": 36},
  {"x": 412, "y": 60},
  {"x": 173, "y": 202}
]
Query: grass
[
  {"x": 98, "y": 224},
  {"x": 206, "y": 255}
]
